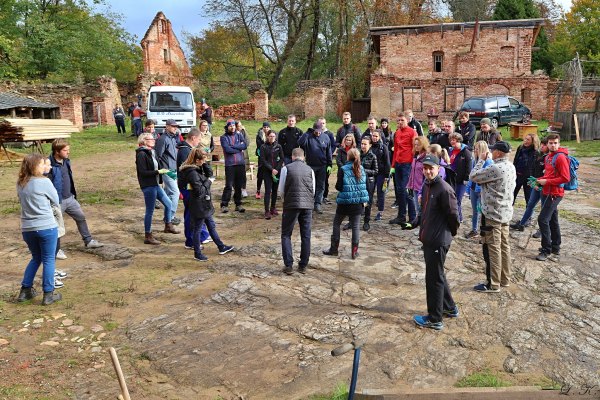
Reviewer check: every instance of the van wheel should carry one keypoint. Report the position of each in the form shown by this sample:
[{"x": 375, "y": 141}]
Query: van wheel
[{"x": 494, "y": 123}]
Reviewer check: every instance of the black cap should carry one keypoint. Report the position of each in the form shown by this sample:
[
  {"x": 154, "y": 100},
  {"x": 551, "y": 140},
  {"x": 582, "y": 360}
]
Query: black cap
[
  {"x": 432, "y": 160},
  {"x": 501, "y": 146},
  {"x": 266, "y": 123}
]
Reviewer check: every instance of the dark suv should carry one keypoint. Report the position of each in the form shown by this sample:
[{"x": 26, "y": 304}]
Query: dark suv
[{"x": 500, "y": 109}]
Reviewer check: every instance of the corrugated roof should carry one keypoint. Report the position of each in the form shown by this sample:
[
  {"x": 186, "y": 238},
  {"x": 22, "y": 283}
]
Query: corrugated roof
[{"x": 13, "y": 100}]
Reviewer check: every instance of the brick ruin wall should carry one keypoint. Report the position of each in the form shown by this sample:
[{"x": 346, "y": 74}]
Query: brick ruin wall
[{"x": 319, "y": 97}]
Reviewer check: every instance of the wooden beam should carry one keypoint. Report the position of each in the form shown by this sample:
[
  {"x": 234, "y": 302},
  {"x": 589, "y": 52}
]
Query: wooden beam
[
  {"x": 536, "y": 32},
  {"x": 475, "y": 29}
]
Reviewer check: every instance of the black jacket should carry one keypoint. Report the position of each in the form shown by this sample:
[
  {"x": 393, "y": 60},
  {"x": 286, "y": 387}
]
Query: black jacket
[
  {"x": 183, "y": 151},
  {"x": 529, "y": 166},
  {"x": 341, "y": 157},
  {"x": 369, "y": 163},
  {"x": 288, "y": 139},
  {"x": 539, "y": 165},
  {"x": 271, "y": 157},
  {"x": 438, "y": 219},
  {"x": 346, "y": 129},
  {"x": 200, "y": 201},
  {"x": 462, "y": 165},
  {"x": 260, "y": 140},
  {"x": 467, "y": 132},
  {"x": 383, "y": 158},
  {"x": 440, "y": 138},
  {"x": 147, "y": 173},
  {"x": 416, "y": 125}
]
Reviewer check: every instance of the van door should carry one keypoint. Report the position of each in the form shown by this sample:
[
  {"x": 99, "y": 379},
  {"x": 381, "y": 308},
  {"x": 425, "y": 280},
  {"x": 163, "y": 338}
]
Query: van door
[
  {"x": 516, "y": 110},
  {"x": 504, "y": 111}
]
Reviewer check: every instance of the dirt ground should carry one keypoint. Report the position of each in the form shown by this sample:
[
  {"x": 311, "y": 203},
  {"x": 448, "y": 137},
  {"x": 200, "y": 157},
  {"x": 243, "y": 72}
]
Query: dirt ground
[{"x": 237, "y": 328}]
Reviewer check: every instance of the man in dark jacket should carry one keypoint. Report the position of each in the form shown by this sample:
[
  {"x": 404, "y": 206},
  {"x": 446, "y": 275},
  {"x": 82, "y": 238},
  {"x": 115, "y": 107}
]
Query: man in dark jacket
[
  {"x": 166, "y": 154},
  {"x": 487, "y": 133},
  {"x": 297, "y": 188},
  {"x": 368, "y": 160},
  {"x": 317, "y": 149},
  {"x": 440, "y": 136},
  {"x": 438, "y": 224},
  {"x": 288, "y": 138},
  {"x": 466, "y": 129},
  {"x": 119, "y": 116},
  {"x": 233, "y": 144},
  {"x": 346, "y": 128},
  {"x": 413, "y": 123},
  {"x": 327, "y": 132}
]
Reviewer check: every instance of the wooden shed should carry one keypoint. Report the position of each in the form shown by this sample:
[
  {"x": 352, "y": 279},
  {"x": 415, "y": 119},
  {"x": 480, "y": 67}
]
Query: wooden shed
[{"x": 13, "y": 105}]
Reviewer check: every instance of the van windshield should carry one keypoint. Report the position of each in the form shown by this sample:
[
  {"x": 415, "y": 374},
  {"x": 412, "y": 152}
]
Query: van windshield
[{"x": 171, "y": 101}]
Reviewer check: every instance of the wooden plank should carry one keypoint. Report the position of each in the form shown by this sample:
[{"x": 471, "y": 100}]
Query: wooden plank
[
  {"x": 576, "y": 128},
  {"x": 28, "y": 121}
]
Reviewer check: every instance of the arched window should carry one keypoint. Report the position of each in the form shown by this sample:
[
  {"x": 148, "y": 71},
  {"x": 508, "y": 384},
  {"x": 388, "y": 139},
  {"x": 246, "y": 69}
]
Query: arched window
[{"x": 438, "y": 61}]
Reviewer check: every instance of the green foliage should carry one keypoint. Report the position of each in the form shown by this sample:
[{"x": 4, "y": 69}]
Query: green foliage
[
  {"x": 278, "y": 109},
  {"x": 469, "y": 10},
  {"x": 483, "y": 378},
  {"x": 235, "y": 96},
  {"x": 339, "y": 393}
]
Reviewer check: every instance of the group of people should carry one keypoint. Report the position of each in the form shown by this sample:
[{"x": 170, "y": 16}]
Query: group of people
[{"x": 430, "y": 175}]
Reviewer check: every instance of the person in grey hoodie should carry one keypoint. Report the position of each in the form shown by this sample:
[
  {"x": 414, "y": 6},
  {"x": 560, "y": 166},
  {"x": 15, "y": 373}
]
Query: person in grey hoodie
[{"x": 497, "y": 191}]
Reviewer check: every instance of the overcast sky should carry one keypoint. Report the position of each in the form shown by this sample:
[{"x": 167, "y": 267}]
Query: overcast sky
[{"x": 185, "y": 15}]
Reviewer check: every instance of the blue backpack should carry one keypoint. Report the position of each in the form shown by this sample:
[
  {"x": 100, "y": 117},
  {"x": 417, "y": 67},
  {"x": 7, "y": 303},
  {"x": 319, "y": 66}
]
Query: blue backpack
[{"x": 573, "y": 183}]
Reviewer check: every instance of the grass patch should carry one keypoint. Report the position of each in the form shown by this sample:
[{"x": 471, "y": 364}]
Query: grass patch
[
  {"x": 111, "y": 326},
  {"x": 10, "y": 206},
  {"x": 483, "y": 378},
  {"x": 112, "y": 197},
  {"x": 339, "y": 393},
  {"x": 593, "y": 223}
]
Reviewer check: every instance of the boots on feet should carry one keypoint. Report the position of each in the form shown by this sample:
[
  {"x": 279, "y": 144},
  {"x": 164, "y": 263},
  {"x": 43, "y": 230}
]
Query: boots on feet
[
  {"x": 333, "y": 249},
  {"x": 26, "y": 293},
  {"x": 51, "y": 297},
  {"x": 149, "y": 239},
  {"x": 354, "y": 250},
  {"x": 169, "y": 228}
]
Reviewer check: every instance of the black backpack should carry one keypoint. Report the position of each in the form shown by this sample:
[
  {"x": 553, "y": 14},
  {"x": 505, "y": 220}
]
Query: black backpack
[{"x": 450, "y": 177}]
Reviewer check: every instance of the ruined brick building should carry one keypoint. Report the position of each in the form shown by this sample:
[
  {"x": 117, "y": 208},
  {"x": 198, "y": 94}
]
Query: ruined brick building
[{"x": 437, "y": 66}]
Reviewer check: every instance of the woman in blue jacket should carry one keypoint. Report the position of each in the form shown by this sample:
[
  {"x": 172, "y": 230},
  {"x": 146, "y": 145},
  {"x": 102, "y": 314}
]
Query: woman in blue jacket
[
  {"x": 474, "y": 190},
  {"x": 352, "y": 195}
]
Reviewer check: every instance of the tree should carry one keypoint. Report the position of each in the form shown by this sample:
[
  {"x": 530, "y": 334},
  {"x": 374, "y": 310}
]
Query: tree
[{"x": 470, "y": 10}]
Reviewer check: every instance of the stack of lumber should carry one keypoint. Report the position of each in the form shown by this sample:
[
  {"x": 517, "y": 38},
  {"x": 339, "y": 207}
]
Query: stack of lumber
[{"x": 25, "y": 130}]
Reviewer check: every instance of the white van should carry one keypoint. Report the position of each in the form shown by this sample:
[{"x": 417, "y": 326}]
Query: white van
[{"x": 172, "y": 102}]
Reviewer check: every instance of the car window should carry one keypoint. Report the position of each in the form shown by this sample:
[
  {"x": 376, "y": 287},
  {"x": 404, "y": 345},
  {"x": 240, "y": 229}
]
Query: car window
[
  {"x": 491, "y": 104},
  {"x": 473, "y": 104},
  {"x": 513, "y": 103},
  {"x": 503, "y": 102}
]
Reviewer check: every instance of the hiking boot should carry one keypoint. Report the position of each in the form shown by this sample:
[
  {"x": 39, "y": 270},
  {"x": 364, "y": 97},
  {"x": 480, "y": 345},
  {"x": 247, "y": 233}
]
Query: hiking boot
[
  {"x": 333, "y": 248},
  {"x": 346, "y": 226},
  {"x": 149, "y": 239},
  {"x": 366, "y": 227},
  {"x": 26, "y": 293},
  {"x": 60, "y": 255},
  {"x": 288, "y": 271},
  {"x": 169, "y": 228},
  {"x": 397, "y": 221},
  {"x": 267, "y": 215},
  {"x": 93, "y": 244},
  {"x": 318, "y": 209},
  {"x": 50, "y": 297},
  {"x": 200, "y": 257},
  {"x": 517, "y": 227},
  {"x": 302, "y": 269},
  {"x": 484, "y": 288},
  {"x": 175, "y": 221},
  {"x": 424, "y": 321},
  {"x": 58, "y": 283},
  {"x": 543, "y": 256},
  {"x": 257, "y": 196},
  {"x": 240, "y": 209},
  {"x": 60, "y": 274},
  {"x": 224, "y": 209},
  {"x": 274, "y": 211},
  {"x": 537, "y": 234},
  {"x": 225, "y": 249},
  {"x": 354, "y": 250},
  {"x": 472, "y": 235},
  {"x": 379, "y": 216},
  {"x": 451, "y": 313}
]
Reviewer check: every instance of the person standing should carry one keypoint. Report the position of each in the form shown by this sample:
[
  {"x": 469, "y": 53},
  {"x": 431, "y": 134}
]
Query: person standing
[
  {"x": 474, "y": 190},
  {"x": 261, "y": 138},
  {"x": 487, "y": 133},
  {"x": 440, "y": 136},
  {"x": 207, "y": 142},
  {"x": 401, "y": 164},
  {"x": 556, "y": 174},
  {"x": 206, "y": 113},
  {"x": 119, "y": 116},
  {"x": 497, "y": 187},
  {"x": 369, "y": 163},
  {"x": 61, "y": 176},
  {"x": 288, "y": 138},
  {"x": 382, "y": 154},
  {"x": 413, "y": 123},
  {"x": 137, "y": 115},
  {"x": 233, "y": 144},
  {"x": 166, "y": 154},
  {"x": 438, "y": 224},
  {"x": 461, "y": 162},
  {"x": 37, "y": 195},
  {"x": 524, "y": 162},
  {"x": 466, "y": 129},
  {"x": 347, "y": 128},
  {"x": 240, "y": 129},
  {"x": 270, "y": 163},
  {"x": 352, "y": 195},
  {"x": 297, "y": 188},
  {"x": 150, "y": 177},
  {"x": 415, "y": 179},
  {"x": 333, "y": 147},
  {"x": 317, "y": 150},
  {"x": 371, "y": 128}
]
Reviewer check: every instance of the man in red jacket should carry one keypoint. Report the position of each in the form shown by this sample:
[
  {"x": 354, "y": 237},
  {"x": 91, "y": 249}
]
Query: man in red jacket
[
  {"x": 401, "y": 164},
  {"x": 556, "y": 173}
]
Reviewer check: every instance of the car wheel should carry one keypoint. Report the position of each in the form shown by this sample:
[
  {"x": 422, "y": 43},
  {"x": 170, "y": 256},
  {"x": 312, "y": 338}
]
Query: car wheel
[{"x": 494, "y": 123}]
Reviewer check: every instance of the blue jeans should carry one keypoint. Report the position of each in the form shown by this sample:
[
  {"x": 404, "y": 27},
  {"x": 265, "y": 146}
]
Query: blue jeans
[
  {"x": 534, "y": 198},
  {"x": 460, "y": 190},
  {"x": 400, "y": 181},
  {"x": 187, "y": 222},
  {"x": 288, "y": 220},
  {"x": 152, "y": 193},
  {"x": 42, "y": 245},
  {"x": 475, "y": 199},
  {"x": 172, "y": 191},
  {"x": 137, "y": 126},
  {"x": 197, "y": 225}
]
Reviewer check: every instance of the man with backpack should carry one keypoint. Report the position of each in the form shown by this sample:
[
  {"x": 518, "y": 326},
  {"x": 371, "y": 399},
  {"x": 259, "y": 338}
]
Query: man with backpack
[
  {"x": 346, "y": 128},
  {"x": 557, "y": 175}
]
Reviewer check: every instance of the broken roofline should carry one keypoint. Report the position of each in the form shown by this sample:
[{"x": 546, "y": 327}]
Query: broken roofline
[{"x": 451, "y": 26}]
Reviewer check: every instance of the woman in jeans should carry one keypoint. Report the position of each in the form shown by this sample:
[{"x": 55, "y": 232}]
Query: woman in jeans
[
  {"x": 415, "y": 179},
  {"x": 150, "y": 178},
  {"x": 38, "y": 225},
  {"x": 352, "y": 195},
  {"x": 474, "y": 190},
  {"x": 194, "y": 173}
]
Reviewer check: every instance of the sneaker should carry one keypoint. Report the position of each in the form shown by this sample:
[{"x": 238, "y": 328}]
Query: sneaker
[
  {"x": 318, "y": 209},
  {"x": 326, "y": 200},
  {"x": 472, "y": 235},
  {"x": 93, "y": 244},
  {"x": 451, "y": 313},
  {"x": 60, "y": 255},
  {"x": 517, "y": 227},
  {"x": 537, "y": 234},
  {"x": 484, "y": 288},
  {"x": 225, "y": 249},
  {"x": 58, "y": 283},
  {"x": 224, "y": 209},
  {"x": 175, "y": 221},
  {"x": 366, "y": 227},
  {"x": 60, "y": 274},
  {"x": 240, "y": 209},
  {"x": 543, "y": 256},
  {"x": 423, "y": 321},
  {"x": 244, "y": 193},
  {"x": 157, "y": 205},
  {"x": 188, "y": 246},
  {"x": 267, "y": 215},
  {"x": 274, "y": 212},
  {"x": 200, "y": 257},
  {"x": 395, "y": 205},
  {"x": 505, "y": 284},
  {"x": 379, "y": 216},
  {"x": 257, "y": 196},
  {"x": 207, "y": 240},
  {"x": 288, "y": 271}
]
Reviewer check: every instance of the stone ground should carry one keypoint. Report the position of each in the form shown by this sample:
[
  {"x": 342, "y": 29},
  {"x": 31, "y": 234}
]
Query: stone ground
[{"x": 237, "y": 328}]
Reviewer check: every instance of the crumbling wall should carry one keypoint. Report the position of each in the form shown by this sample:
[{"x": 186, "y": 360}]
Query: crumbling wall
[{"x": 321, "y": 97}]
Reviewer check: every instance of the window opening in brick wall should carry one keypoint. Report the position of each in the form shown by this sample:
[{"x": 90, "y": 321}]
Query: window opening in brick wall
[
  {"x": 438, "y": 61},
  {"x": 454, "y": 97},
  {"x": 166, "y": 55},
  {"x": 412, "y": 98},
  {"x": 163, "y": 26},
  {"x": 526, "y": 96}
]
